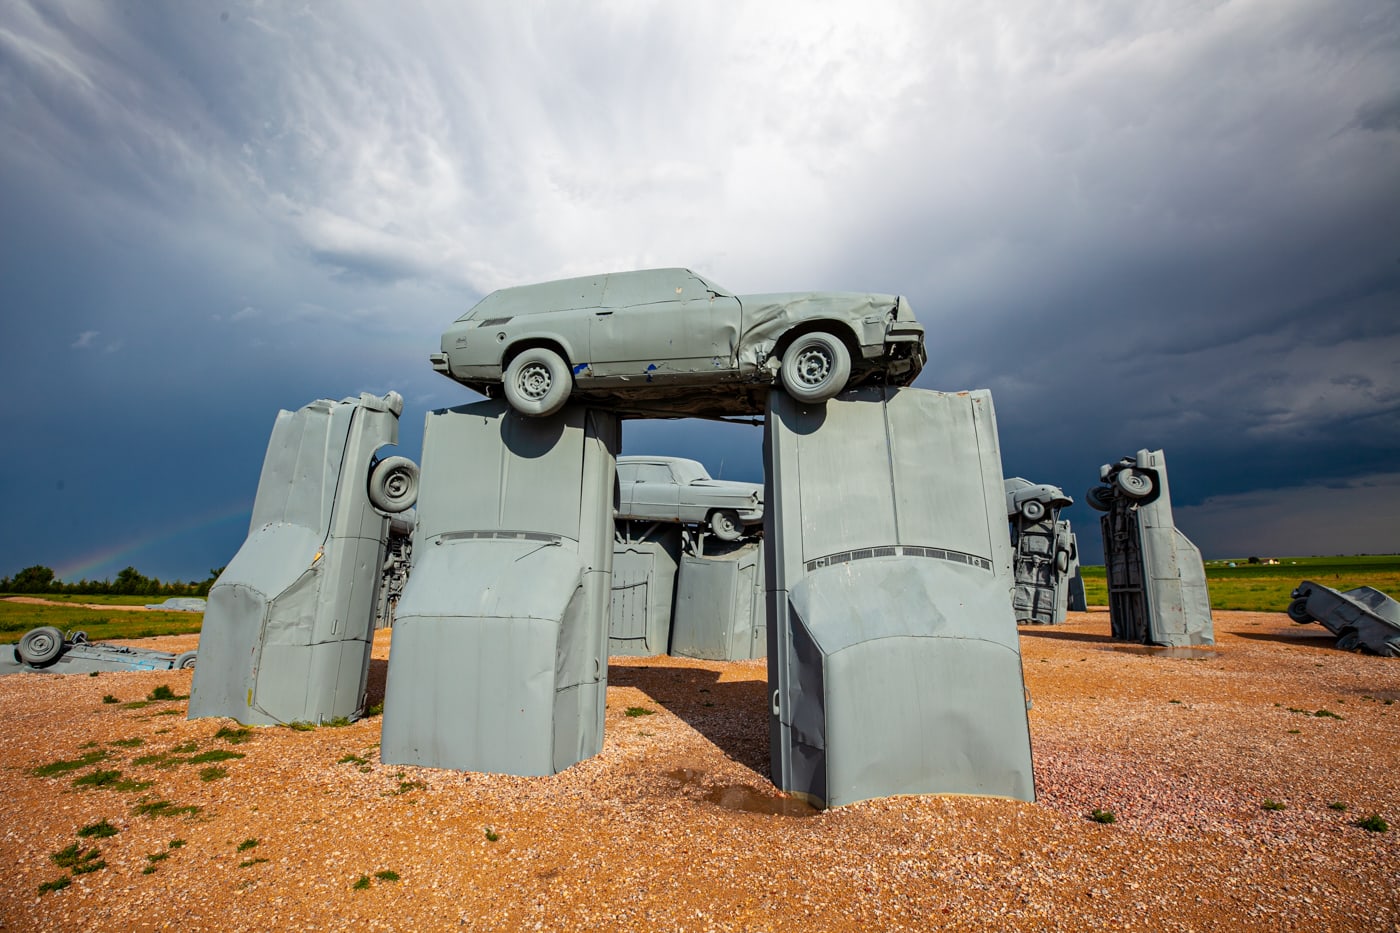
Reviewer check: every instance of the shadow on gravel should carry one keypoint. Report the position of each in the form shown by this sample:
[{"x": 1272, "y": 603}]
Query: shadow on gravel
[
  {"x": 1045, "y": 632},
  {"x": 735, "y": 719},
  {"x": 374, "y": 687},
  {"x": 1307, "y": 638}
]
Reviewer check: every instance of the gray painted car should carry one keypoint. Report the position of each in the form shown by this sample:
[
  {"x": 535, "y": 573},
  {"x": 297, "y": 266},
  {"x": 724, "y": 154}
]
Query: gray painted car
[
  {"x": 1363, "y": 617},
  {"x": 671, "y": 342},
  {"x": 49, "y": 651},
  {"x": 674, "y": 489}
]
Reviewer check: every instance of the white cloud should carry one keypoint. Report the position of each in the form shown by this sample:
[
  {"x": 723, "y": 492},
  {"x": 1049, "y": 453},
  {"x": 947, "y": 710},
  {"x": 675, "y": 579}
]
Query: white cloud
[{"x": 85, "y": 340}]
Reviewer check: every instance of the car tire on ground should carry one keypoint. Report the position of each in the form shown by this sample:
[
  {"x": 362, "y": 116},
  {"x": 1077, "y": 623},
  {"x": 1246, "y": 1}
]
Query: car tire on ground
[
  {"x": 40, "y": 646},
  {"x": 393, "y": 485},
  {"x": 1062, "y": 561},
  {"x": 538, "y": 382},
  {"x": 726, "y": 525},
  {"x": 1032, "y": 510},
  {"x": 815, "y": 367},
  {"x": 1298, "y": 611},
  {"x": 1135, "y": 484},
  {"x": 1100, "y": 497},
  {"x": 183, "y": 662}
]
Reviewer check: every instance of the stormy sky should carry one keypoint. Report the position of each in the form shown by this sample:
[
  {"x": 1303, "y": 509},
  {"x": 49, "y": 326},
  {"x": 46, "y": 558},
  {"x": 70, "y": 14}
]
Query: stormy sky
[{"x": 1146, "y": 224}]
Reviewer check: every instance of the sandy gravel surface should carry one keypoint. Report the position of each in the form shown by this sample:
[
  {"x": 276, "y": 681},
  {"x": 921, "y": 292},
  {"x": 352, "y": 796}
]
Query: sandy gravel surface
[{"x": 675, "y": 826}]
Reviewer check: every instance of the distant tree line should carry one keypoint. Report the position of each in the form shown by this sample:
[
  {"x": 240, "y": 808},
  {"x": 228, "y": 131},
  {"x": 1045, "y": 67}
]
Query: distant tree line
[{"x": 130, "y": 582}]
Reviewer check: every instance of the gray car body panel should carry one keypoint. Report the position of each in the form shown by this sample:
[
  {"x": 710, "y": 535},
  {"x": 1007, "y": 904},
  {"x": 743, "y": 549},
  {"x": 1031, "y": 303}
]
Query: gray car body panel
[
  {"x": 668, "y": 341},
  {"x": 80, "y": 656},
  {"x": 645, "y": 559},
  {"x": 893, "y": 660},
  {"x": 720, "y": 603},
  {"x": 675, "y": 489},
  {"x": 289, "y": 624},
  {"x": 499, "y": 653},
  {"x": 1362, "y": 617},
  {"x": 1157, "y": 591}
]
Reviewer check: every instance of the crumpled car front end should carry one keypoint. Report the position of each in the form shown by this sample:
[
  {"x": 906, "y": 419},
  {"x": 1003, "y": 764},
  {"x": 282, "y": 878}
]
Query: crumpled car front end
[{"x": 882, "y": 327}]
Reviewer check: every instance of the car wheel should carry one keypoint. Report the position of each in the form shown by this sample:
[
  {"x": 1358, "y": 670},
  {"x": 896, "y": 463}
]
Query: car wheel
[
  {"x": 1100, "y": 497},
  {"x": 1062, "y": 561},
  {"x": 1032, "y": 510},
  {"x": 815, "y": 367},
  {"x": 1298, "y": 611},
  {"x": 393, "y": 484},
  {"x": 726, "y": 525},
  {"x": 40, "y": 646},
  {"x": 1349, "y": 639},
  {"x": 1134, "y": 484},
  {"x": 183, "y": 662},
  {"x": 538, "y": 382}
]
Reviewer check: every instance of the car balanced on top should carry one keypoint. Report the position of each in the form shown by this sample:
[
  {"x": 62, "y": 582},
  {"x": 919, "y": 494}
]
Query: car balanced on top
[{"x": 669, "y": 342}]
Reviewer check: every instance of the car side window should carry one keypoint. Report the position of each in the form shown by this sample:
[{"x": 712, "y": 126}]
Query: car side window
[
  {"x": 626, "y": 472},
  {"x": 653, "y": 473}
]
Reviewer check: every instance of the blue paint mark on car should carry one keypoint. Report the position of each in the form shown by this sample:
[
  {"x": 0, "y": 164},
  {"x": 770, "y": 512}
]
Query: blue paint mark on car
[
  {"x": 579, "y": 367},
  {"x": 651, "y": 368}
]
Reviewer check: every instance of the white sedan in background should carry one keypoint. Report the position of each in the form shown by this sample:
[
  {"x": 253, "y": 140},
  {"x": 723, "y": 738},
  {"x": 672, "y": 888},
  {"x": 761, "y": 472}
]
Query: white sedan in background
[{"x": 673, "y": 489}]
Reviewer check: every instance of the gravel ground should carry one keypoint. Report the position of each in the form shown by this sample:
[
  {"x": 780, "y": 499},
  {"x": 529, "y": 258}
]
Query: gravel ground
[{"x": 675, "y": 826}]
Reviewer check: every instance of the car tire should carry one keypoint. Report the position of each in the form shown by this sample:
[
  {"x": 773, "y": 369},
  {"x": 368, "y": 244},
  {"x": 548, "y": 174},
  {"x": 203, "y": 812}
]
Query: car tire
[
  {"x": 1100, "y": 498},
  {"x": 1032, "y": 510},
  {"x": 726, "y": 525},
  {"x": 538, "y": 382},
  {"x": 815, "y": 367},
  {"x": 1062, "y": 561},
  {"x": 1349, "y": 639},
  {"x": 183, "y": 662},
  {"x": 393, "y": 485},
  {"x": 40, "y": 646},
  {"x": 1135, "y": 484},
  {"x": 1298, "y": 611}
]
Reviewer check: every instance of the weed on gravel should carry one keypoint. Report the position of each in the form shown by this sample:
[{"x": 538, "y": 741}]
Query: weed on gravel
[
  {"x": 111, "y": 780},
  {"x": 156, "y": 808},
  {"x": 78, "y": 860},
  {"x": 99, "y": 830},
  {"x": 246, "y": 844},
  {"x": 1272, "y": 804},
  {"x": 387, "y": 875},
  {"x": 361, "y": 883},
  {"x": 63, "y": 766},
  {"x": 164, "y": 692},
  {"x": 1103, "y": 816},
  {"x": 1374, "y": 823},
  {"x": 635, "y": 711},
  {"x": 301, "y": 725},
  {"x": 58, "y": 884},
  {"x": 234, "y": 735},
  {"x": 1338, "y": 806},
  {"x": 212, "y": 773},
  {"x": 108, "y": 698}
]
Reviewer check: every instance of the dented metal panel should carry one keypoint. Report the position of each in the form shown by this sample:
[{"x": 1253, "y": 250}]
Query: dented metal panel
[
  {"x": 287, "y": 631},
  {"x": 719, "y": 612},
  {"x": 499, "y": 654},
  {"x": 893, "y": 659},
  {"x": 645, "y": 558}
]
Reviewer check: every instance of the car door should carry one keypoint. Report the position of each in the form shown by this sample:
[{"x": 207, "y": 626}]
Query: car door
[
  {"x": 655, "y": 494},
  {"x": 664, "y": 325}
]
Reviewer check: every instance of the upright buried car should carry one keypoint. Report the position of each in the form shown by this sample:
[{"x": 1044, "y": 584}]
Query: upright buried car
[
  {"x": 693, "y": 347},
  {"x": 673, "y": 489}
]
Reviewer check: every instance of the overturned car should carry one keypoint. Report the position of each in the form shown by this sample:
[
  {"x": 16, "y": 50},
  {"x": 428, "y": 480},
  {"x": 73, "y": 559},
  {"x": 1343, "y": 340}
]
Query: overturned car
[
  {"x": 1363, "y": 617},
  {"x": 47, "y": 650}
]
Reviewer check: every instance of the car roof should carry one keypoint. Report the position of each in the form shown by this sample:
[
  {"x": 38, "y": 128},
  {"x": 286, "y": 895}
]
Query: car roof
[{"x": 589, "y": 291}]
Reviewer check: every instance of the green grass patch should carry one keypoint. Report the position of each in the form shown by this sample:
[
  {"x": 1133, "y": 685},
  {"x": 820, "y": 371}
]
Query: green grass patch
[
  {"x": 492, "y": 835},
  {"x": 375, "y": 710},
  {"x": 136, "y": 704},
  {"x": 635, "y": 711},
  {"x": 387, "y": 875},
  {"x": 63, "y": 766},
  {"x": 250, "y": 862},
  {"x": 177, "y": 844},
  {"x": 212, "y": 773},
  {"x": 1103, "y": 816},
  {"x": 1271, "y": 804},
  {"x": 78, "y": 860},
  {"x": 338, "y": 722},
  {"x": 58, "y": 884},
  {"x": 234, "y": 735},
  {"x": 109, "y": 779},
  {"x": 134, "y": 742},
  {"x": 361, "y": 883},
  {"x": 108, "y": 698},
  {"x": 99, "y": 830},
  {"x": 246, "y": 844},
  {"x": 1326, "y": 714},
  {"x": 301, "y": 725},
  {"x": 159, "y": 808},
  {"x": 1338, "y": 806},
  {"x": 1268, "y": 587},
  {"x": 100, "y": 624},
  {"x": 352, "y": 760},
  {"x": 1374, "y": 823},
  {"x": 165, "y": 692}
]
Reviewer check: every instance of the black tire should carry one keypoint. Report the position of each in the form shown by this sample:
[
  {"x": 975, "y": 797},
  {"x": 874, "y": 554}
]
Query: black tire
[
  {"x": 183, "y": 662},
  {"x": 1134, "y": 484},
  {"x": 1298, "y": 611},
  {"x": 538, "y": 382},
  {"x": 1348, "y": 639},
  {"x": 393, "y": 485},
  {"x": 815, "y": 367},
  {"x": 1100, "y": 498},
  {"x": 40, "y": 646},
  {"x": 1032, "y": 510},
  {"x": 726, "y": 525}
]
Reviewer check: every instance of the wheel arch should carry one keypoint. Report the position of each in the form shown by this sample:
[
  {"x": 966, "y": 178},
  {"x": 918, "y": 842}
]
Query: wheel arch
[
  {"x": 529, "y": 343},
  {"x": 839, "y": 329}
]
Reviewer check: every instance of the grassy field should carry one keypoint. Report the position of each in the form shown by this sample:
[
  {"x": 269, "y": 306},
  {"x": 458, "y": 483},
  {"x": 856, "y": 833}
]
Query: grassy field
[
  {"x": 18, "y": 618},
  {"x": 1265, "y": 587}
]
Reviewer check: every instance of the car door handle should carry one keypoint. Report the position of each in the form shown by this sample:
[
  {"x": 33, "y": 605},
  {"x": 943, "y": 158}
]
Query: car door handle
[{"x": 602, "y": 313}]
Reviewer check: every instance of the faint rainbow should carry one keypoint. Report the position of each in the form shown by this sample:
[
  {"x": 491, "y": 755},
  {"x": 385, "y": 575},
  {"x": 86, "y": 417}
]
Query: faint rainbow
[{"x": 80, "y": 567}]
